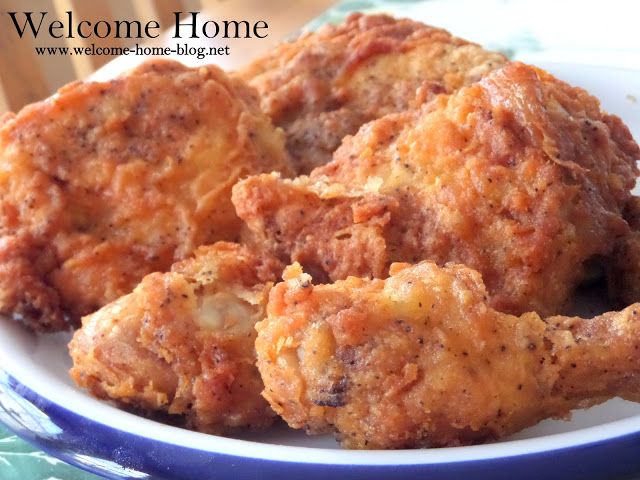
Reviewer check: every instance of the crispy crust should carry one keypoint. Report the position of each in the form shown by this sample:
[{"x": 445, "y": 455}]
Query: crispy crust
[
  {"x": 519, "y": 176},
  {"x": 420, "y": 360},
  {"x": 326, "y": 84},
  {"x": 106, "y": 182},
  {"x": 183, "y": 342}
]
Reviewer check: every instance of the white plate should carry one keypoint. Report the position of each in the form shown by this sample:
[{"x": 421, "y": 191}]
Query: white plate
[{"x": 40, "y": 403}]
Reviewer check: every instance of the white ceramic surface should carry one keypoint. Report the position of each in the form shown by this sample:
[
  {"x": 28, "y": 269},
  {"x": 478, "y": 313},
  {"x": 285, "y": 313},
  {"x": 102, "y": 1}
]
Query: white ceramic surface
[{"x": 41, "y": 363}]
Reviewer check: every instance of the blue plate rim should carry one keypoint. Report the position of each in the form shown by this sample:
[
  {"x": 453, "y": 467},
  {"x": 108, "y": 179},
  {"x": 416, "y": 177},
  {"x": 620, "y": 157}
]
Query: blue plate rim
[
  {"x": 31, "y": 376},
  {"x": 149, "y": 429},
  {"x": 501, "y": 467}
]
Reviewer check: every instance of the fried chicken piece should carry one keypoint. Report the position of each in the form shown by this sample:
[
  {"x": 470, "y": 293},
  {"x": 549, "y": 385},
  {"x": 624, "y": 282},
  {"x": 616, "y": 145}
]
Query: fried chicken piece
[
  {"x": 333, "y": 230},
  {"x": 518, "y": 176},
  {"x": 326, "y": 84},
  {"x": 106, "y": 182},
  {"x": 183, "y": 342},
  {"x": 421, "y": 360}
]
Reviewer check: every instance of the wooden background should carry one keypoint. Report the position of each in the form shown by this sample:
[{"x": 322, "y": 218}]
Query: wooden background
[{"x": 26, "y": 77}]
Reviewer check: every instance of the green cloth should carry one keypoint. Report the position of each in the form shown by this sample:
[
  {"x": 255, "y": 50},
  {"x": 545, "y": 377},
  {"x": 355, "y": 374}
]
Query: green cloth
[{"x": 21, "y": 461}]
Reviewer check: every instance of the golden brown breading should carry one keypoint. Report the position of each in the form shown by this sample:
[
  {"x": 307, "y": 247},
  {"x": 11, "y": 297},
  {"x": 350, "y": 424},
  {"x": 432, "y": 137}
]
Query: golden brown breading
[
  {"x": 328, "y": 83},
  {"x": 420, "y": 359},
  {"x": 183, "y": 342},
  {"x": 519, "y": 176},
  {"x": 333, "y": 230},
  {"x": 106, "y": 182}
]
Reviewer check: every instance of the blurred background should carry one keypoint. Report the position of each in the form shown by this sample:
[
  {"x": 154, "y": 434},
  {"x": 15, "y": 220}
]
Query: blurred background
[
  {"x": 26, "y": 77},
  {"x": 594, "y": 32}
]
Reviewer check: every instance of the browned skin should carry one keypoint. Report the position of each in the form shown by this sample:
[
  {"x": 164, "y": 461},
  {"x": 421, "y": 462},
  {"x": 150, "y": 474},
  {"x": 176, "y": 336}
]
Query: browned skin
[
  {"x": 421, "y": 360},
  {"x": 519, "y": 176},
  {"x": 183, "y": 342},
  {"x": 106, "y": 182},
  {"x": 623, "y": 266},
  {"x": 328, "y": 83}
]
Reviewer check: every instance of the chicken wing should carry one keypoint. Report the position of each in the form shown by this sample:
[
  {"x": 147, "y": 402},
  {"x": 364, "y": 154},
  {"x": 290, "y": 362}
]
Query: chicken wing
[
  {"x": 106, "y": 182},
  {"x": 183, "y": 342},
  {"x": 420, "y": 359},
  {"x": 518, "y": 176},
  {"x": 328, "y": 83}
]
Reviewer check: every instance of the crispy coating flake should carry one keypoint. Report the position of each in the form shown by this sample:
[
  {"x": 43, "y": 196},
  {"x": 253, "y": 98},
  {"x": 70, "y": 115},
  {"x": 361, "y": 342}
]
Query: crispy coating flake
[
  {"x": 326, "y": 84},
  {"x": 420, "y": 359},
  {"x": 519, "y": 176},
  {"x": 106, "y": 182},
  {"x": 183, "y": 342}
]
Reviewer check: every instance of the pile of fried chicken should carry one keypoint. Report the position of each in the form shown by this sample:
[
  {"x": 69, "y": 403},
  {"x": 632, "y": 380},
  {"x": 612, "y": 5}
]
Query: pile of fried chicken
[{"x": 374, "y": 230}]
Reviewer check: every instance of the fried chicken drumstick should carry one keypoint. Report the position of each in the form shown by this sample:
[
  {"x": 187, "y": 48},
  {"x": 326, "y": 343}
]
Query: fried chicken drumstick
[
  {"x": 106, "y": 182},
  {"x": 420, "y": 359},
  {"x": 183, "y": 342},
  {"x": 328, "y": 83},
  {"x": 518, "y": 176}
]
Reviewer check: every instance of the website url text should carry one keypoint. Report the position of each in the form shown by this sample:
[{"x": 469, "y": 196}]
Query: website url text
[{"x": 181, "y": 49}]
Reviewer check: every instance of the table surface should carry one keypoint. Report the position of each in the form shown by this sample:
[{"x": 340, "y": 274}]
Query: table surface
[{"x": 577, "y": 31}]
